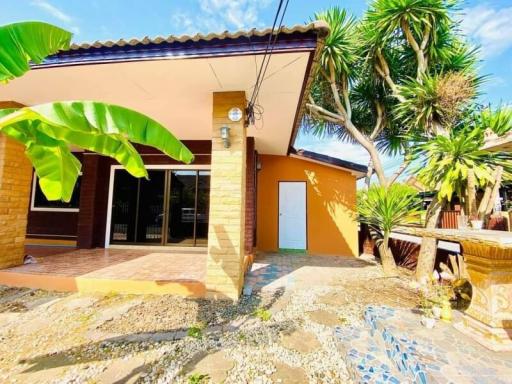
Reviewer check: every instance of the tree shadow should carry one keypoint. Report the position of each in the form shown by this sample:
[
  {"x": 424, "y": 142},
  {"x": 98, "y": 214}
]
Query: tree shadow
[
  {"x": 111, "y": 347},
  {"x": 283, "y": 270}
]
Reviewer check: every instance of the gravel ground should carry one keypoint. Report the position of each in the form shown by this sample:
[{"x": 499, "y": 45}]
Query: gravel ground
[{"x": 49, "y": 337}]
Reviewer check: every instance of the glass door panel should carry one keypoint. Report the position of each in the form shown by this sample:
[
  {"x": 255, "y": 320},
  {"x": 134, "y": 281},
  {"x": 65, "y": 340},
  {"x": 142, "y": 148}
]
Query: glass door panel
[
  {"x": 124, "y": 207},
  {"x": 172, "y": 207},
  {"x": 150, "y": 217},
  {"x": 182, "y": 208},
  {"x": 203, "y": 207}
]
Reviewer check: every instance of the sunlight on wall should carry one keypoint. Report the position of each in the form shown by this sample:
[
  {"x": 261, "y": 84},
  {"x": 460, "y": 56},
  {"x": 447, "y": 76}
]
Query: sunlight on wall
[{"x": 331, "y": 198}]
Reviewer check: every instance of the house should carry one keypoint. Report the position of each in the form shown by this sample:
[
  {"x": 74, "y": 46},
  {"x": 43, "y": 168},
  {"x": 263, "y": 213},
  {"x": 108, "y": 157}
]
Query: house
[{"x": 248, "y": 189}]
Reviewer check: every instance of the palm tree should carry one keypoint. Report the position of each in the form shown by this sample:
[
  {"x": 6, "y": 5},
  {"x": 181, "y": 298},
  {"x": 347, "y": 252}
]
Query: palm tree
[
  {"x": 48, "y": 130},
  {"x": 457, "y": 164},
  {"x": 402, "y": 68},
  {"x": 400, "y": 72},
  {"x": 384, "y": 208}
]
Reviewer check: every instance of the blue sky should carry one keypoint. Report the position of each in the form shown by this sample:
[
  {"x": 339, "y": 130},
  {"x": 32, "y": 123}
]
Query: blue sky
[{"x": 487, "y": 23}]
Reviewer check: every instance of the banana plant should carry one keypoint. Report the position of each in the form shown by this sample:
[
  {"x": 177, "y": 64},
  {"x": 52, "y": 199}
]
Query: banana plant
[
  {"x": 48, "y": 130},
  {"x": 25, "y": 42}
]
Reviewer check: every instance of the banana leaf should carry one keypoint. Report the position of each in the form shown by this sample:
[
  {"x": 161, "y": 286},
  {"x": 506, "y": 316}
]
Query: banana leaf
[
  {"x": 48, "y": 130},
  {"x": 56, "y": 168},
  {"x": 23, "y": 42}
]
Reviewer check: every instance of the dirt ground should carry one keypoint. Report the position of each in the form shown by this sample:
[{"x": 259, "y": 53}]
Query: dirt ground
[{"x": 278, "y": 335}]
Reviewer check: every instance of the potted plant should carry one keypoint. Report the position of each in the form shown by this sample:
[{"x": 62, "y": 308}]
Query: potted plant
[
  {"x": 442, "y": 292},
  {"x": 436, "y": 311},
  {"x": 476, "y": 222},
  {"x": 428, "y": 319}
]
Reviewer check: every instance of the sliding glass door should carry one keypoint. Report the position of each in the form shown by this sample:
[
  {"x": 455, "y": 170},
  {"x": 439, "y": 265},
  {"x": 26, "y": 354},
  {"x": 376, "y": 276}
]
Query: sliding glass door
[
  {"x": 182, "y": 208},
  {"x": 171, "y": 208},
  {"x": 202, "y": 207}
]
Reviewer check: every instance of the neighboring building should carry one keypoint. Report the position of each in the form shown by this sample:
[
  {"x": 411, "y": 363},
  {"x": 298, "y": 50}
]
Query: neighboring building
[{"x": 256, "y": 193}]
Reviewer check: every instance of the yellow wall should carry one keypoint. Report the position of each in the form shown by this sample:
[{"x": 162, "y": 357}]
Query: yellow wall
[{"x": 331, "y": 198}]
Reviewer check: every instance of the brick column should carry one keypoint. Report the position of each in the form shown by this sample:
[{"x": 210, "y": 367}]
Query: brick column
[
  {"x": 15, "y": 183},
  {"x": 93, "y": 201},
  {"x": 224, "y": 276}
]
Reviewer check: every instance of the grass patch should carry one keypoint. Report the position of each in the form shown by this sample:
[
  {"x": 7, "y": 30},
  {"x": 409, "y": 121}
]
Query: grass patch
[
  {"x": 197, "y": 378},
  {"x": 293, "y": 251},
  {"x": 196, "y": 331},
  {"x": 262, "y": 314}
]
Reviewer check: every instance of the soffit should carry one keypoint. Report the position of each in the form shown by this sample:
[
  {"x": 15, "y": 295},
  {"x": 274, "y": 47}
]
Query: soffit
[{"x": 178, "y": 92}]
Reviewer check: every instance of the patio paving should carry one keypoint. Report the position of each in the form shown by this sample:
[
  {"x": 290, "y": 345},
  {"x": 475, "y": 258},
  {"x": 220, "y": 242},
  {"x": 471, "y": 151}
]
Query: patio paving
[
  {"x": 271, "y": 271},
  {"x": 392, "y": 347},
  {"x": 105, "y": 270}
]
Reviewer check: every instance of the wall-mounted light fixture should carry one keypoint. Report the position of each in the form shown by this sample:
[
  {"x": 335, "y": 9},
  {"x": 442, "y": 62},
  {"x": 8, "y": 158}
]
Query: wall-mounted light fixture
[{"x": 224, "y": 135}]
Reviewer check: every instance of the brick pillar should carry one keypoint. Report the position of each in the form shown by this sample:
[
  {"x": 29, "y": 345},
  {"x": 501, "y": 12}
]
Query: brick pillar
[
  {"x": 250, "y": 197},
  {"x": 93, "y": 201},
  {"x": 224, "y": 275},
  {"x": 15, "y": 183}
]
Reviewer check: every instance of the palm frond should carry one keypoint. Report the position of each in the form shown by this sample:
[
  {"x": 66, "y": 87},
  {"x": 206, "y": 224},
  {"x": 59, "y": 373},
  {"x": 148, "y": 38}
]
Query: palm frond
[{"x": 384, "y": 208}]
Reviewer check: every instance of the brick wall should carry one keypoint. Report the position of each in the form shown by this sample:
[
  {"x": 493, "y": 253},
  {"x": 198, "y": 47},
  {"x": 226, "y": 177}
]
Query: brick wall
[
  {"x": 226, "y": 248},
  {"x": 93, "y": 201},
  {"x": 15, "y": 183},
  {"x": 250, "y": 198}
]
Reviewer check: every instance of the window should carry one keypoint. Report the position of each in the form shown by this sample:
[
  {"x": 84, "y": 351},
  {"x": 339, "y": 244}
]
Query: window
[
  {"x": 40, "y": 203},
  {"x": 171, "y": 208}
]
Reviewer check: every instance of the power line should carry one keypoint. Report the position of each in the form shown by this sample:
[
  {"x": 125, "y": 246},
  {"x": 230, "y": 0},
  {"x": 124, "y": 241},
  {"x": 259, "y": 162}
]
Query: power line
[
  {"x": 266, "y": 59},
  {"x": 266, "y": 49}
]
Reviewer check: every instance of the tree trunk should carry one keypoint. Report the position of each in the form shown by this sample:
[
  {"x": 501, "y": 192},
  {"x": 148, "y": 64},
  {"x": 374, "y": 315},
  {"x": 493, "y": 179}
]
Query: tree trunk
[
  {"x": 386, "y": 257},
  {"x": 428, "y": 249},
  {"x": 369, "y": 174},
  {"x": 495, "y": 191},
  {"x": 484, "y": 203},
  {"x": 471, "y": 194}
]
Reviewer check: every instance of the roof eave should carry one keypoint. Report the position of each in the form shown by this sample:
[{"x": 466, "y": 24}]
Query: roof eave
[
  {"x": 323, "y": 31},
  {"x": 357, "y": 170},
  {"x": 252, "y": 42}
]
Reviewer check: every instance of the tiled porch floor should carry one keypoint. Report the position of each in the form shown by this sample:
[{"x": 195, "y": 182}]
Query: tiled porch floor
[
  {"x": 127, "y": 271},
  {"x": 162, "y": 272}
]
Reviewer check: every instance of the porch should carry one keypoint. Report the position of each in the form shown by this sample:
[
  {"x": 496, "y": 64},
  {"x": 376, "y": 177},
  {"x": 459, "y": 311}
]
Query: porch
[{"x": 126, "y": 271}]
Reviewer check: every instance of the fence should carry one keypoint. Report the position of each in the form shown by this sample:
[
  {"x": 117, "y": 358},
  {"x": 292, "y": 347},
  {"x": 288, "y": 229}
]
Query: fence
[
  {"x": 496, "y": 222},
  {"x": 449, "y": 219}
]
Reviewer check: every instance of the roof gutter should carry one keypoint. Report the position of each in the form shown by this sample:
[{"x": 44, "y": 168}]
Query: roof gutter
[{"x": 300, "y": 38}]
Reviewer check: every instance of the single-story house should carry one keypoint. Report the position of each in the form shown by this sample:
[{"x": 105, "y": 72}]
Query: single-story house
[{"x": 248, "y": 188}]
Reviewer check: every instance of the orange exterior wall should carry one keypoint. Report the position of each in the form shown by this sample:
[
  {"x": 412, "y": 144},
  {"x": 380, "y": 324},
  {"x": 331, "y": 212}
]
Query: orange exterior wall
[{"x": 331, "y": 199}]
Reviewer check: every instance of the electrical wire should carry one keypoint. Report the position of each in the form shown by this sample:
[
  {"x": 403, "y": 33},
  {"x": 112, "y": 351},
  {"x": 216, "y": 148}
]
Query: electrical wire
[
  {"x": 266, "y": 51},
  {"x": 254, "y": 110}
]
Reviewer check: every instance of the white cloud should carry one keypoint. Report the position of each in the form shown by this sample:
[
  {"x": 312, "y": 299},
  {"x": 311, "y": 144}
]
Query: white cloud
[
  {"x": 491, "y": 28},
  {"x": 220, "y": 15},
  {"x": 57, "y": 14},
  {"x": 184, "y": 22}
]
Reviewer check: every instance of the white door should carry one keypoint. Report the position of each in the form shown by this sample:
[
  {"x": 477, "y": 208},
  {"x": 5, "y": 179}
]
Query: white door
[{"x": 292, "y": 215}]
